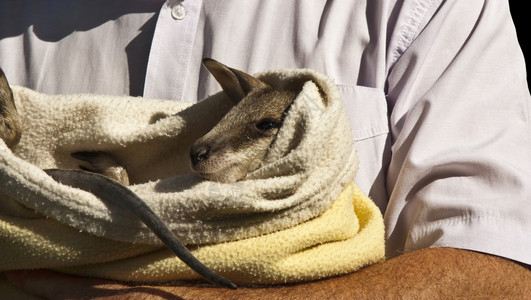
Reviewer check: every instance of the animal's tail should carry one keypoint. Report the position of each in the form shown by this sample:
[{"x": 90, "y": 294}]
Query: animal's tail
[{"x": 111, "y": 191}]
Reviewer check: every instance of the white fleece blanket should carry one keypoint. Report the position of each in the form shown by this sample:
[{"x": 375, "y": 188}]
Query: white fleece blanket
[{"x": 311, "y": 161}]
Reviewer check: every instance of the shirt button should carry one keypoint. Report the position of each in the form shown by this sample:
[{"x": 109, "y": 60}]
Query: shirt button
[{"x": 178, "y": 12}]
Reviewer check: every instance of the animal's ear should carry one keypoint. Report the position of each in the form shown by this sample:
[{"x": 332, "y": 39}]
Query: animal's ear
[
  {"x": 6, "y": 96},
  {"x": 235, "y": 83},
  {"x": 4, "y": 86}
]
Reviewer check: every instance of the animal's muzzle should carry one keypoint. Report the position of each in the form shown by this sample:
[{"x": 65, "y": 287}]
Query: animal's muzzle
[{"x": 199, "y": 154}]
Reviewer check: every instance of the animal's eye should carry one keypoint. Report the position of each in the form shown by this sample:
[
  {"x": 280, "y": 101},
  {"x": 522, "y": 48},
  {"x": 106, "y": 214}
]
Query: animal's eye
[{"x": 267, "y": 124}]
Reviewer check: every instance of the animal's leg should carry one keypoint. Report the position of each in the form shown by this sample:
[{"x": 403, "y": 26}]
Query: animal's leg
[
  {"x": 102, "y": 163},
  {"x": 10, "y": 122}
]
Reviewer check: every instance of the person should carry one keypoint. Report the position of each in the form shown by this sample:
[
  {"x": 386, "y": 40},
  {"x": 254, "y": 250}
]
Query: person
[{"x": 435, "y": 90}]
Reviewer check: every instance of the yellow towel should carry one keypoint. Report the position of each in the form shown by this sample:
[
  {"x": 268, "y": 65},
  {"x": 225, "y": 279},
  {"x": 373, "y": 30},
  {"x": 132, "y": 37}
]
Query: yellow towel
[
  {"x": 297, "y": 217},
  {"x": 348, "y": 236}
]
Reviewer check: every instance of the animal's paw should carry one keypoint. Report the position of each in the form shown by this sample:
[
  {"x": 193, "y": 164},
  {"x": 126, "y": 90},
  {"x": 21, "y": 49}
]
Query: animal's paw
[{"x": 102, "y": 163}]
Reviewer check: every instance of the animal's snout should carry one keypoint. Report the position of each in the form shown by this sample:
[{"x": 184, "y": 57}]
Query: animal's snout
[{"x": 199, "y": 154}]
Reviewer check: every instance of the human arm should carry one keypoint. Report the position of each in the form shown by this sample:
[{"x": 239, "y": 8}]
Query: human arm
[{"x": 428, "y": 273}]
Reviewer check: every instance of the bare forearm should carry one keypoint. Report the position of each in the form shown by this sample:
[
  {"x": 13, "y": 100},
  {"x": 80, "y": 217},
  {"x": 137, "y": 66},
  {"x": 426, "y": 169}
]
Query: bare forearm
[
  {"x": 428, "y": 273},
  {"x": 442, "y": 273}
]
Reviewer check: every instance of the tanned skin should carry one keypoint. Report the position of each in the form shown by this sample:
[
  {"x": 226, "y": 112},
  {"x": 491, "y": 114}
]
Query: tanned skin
[{"x": 437, "y": 273}]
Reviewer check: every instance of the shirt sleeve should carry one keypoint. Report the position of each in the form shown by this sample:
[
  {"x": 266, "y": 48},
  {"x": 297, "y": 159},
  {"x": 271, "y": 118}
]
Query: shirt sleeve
[{"x": 460, "y": 173}]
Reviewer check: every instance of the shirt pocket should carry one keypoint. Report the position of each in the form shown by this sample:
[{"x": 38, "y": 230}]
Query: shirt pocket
[{"x": 367, "y": 111}]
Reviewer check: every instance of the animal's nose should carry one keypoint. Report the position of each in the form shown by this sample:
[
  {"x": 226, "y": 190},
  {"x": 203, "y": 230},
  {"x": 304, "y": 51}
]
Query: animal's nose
[{"x": 200, "y": 154}]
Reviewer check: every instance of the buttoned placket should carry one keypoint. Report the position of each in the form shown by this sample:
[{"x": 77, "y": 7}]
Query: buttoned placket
[
  {"x": 178, "y": 11},
  {"x": 171, "y": 49}
]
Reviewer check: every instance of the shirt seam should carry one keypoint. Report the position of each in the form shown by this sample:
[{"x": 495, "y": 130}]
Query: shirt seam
[{"x": 411, "y": 28}]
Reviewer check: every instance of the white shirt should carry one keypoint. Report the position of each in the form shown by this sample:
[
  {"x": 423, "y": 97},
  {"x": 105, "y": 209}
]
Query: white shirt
[{"x": 435, "y": 90}]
